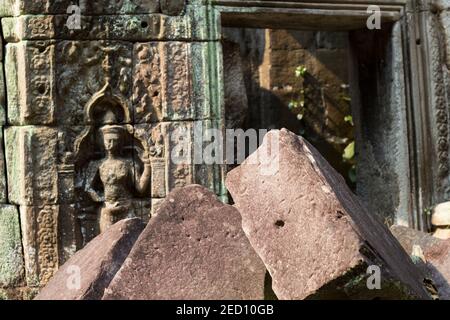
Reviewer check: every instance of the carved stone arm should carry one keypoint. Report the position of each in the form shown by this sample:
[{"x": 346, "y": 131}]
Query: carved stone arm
[
  {"x": 144, "y": 181},
  {"x": 92, "y": 175}
]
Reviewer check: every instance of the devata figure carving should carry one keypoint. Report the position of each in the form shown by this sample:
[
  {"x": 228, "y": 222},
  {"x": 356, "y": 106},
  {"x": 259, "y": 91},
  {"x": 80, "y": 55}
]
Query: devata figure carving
[{"x": 119, "y": 178}]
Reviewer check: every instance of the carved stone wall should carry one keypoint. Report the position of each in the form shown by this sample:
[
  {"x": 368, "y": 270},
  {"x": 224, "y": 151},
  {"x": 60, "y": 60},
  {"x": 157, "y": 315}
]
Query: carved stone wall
[
  {"x": 141, "y": 68},
  {"x": 85, "y": 112}
]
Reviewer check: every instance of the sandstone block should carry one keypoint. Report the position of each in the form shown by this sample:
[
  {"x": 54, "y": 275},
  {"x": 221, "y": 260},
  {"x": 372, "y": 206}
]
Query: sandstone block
[
  {"x": 172, "y": 7},
  {"x": 20, "y": 7},
  {"x": 96, "y": 264},
  {"x": 30, "y": 82},
  {"x": 190, "y": 26},
  {"x": 3, "y": 187},
  {"x": 436, "y": 253},
  {"x": 236, "y": 102},
  {"x": 193, "y": 249},
  {"x": 313, "y": 234},
  {"x": 11, "y": 257},
  {"x": 170, "y": 82},
  {"x": 39, "y": 226},
  {"x": 31, "y": 160}
]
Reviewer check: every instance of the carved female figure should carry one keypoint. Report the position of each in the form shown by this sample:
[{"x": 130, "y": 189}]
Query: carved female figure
[{"x": 119, "y": 178}]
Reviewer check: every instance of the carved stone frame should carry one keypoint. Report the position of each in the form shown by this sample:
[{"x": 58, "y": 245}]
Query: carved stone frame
[{"x": 425, "y": 94}]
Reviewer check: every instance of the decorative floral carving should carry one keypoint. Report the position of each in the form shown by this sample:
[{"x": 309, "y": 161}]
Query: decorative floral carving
[
  {"x": 47, "y": 244},
  {"x": 439, "y": 101},
  {"x": 40, "y": 27}
]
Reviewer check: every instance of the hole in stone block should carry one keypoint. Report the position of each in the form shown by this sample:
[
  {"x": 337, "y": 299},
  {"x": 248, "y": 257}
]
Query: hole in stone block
[
  {"x": 42, "y": 89},
  {"x": 279, "y": 223}
]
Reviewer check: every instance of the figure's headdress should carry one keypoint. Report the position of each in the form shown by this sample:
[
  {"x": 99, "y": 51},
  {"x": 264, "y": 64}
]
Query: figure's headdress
[{"x": 113, "y": 131}]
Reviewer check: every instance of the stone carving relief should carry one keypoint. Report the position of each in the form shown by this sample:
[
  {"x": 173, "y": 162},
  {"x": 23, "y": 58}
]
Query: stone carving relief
[
  {"x": 440, "y": 102},
  {"x": 83, "y": 75},
  {"x": 162, "y": 82},
  {"x": 47, "y": 239},
  {"x": 120, "y": 6},
  {"x": 118, "y": 178}
]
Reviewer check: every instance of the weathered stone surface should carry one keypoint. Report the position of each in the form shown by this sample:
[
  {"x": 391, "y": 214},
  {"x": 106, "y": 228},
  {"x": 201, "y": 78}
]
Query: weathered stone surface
[
  {"x": 172, "y": 7},
  {"x": 69, "y": 237},
  {"x": 22, "y": 293},
  {"x": 84, "y": 68},
  {"x": 131, "y": 27},
  {"x": 178, "y": 137},
  {"x": 39, "y": 226},
  {"x": 3, "y": 187},
  {"x": 436, "y": 253},
  {"x": 20, "y": 7},
  {"x": 171, "y": 82},
  {"x": 313, "y": 234},
  {"x": 163, "y": 81},
  {"x": 96, "y": 264},
  {"x": 2, "y": 94},
  {"x": 193, "y": 249},
  {"x": 11, "y": 258},
  {"x": 381, "y": 126},
  {"x": 30, "y": 81},
  {"x": 31, "y": 156},
  {"x": 236, "y": 103}
]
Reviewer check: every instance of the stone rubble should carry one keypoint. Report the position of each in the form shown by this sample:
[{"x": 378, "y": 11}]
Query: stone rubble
[
  {"x": 96, "y": 264},
  {"x": 315, "y": 237},
  {"x": 435, "y": 260},
  {"x": 194, "y": 248}
]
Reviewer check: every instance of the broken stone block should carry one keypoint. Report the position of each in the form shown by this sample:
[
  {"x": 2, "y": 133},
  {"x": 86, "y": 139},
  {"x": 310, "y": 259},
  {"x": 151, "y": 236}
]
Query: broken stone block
[
  {"x": 193, "y": 249},
  {"x": 313, "y": 234},
  {"x": 86, "y": 275},
  {"x": 435, "y": 260},
  {"x": 440, "y": 220},
  {"x": 31, "y": 156},
  {"x": 11, "y": 257}
]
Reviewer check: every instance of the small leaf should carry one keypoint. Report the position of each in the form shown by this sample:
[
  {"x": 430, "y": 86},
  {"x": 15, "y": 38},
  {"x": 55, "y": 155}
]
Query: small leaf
[
  {"x": 300, "y": 71},
  {"x": 300, "y": 116},
  {"x": 349, "y": 151},
  {"x": 349, "y": 119}
]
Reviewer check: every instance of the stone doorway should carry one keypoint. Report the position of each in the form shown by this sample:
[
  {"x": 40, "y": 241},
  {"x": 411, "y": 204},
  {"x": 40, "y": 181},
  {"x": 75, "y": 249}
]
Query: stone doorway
[
  {"x": 298, "y": 80},
  {"x": 394, "y": 105}
]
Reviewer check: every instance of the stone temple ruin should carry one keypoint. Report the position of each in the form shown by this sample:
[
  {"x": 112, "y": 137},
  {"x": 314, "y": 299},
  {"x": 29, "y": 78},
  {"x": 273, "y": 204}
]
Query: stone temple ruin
[{"x": 99, "y": 97}]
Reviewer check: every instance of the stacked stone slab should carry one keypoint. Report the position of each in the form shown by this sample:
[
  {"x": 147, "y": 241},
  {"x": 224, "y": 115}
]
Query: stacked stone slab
[
  {"x": 313, "y": 234},
  {"x": 89, "y": 272},
  {"x": 194, "y": 248},
  {"x": 152, "y": 62},
  {"x": 429, "y": 253},
  {"x": 11, "y": 257}
]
